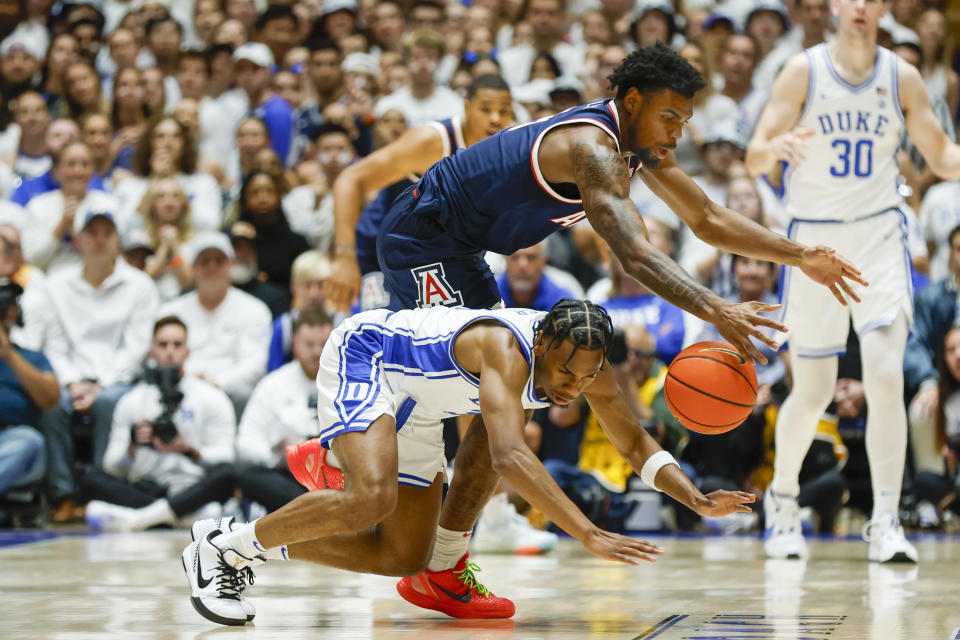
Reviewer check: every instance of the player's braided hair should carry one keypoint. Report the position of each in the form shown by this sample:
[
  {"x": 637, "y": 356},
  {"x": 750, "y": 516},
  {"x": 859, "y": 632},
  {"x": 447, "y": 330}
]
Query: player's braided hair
[
  {"x": 656, "y": 68},
  {"x": 585, "y": 324}
]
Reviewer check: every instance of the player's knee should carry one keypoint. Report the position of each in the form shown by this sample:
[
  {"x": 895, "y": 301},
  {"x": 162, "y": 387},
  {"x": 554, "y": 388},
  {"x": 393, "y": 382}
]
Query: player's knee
[{"x": 375, "y": 501}]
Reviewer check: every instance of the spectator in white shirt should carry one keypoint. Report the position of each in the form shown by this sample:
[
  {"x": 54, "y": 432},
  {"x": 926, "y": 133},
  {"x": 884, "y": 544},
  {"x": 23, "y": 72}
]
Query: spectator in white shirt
[
  {"x": 548, "y": 21},
  {"x": 424, "y": 100},
  {"x": 229, "y": 330},
  {"x": 282, "y": 411},
  {"x": 103, "y": 311},
  {"x": 48, "y": 228},
  {"x": 171, "y": 444}
]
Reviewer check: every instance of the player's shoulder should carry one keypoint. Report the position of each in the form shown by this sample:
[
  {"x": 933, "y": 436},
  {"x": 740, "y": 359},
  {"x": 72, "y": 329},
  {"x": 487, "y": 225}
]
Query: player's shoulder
[{"x": 797, "y": 67}]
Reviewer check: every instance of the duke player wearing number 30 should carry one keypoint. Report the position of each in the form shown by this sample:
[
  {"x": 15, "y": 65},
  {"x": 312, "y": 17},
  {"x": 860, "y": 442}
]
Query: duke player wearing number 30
[
  {"x": 833, "y": 124},
  {"x": 515, "y": 188},
  {"x": 386, "y": 380}
]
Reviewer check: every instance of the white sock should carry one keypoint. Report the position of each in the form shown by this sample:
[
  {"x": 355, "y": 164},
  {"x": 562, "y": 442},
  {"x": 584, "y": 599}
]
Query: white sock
[
  {"x": 886, "y": 436},
  {"x": 277, "y": 553},
  {"x": 243, "y": 540},
  {"x": 449, "y": 547},
  {"x": 813, "y": 383},
  {"x": 157, "y": 512}
]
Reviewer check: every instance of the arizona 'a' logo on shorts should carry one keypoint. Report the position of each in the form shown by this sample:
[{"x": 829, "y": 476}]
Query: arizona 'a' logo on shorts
[{"x": 433, "y": 287}]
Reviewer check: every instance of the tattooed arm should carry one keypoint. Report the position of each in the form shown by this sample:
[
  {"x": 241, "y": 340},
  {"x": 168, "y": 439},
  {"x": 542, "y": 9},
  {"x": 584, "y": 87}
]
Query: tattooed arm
[{"x": 601, "y": 175}]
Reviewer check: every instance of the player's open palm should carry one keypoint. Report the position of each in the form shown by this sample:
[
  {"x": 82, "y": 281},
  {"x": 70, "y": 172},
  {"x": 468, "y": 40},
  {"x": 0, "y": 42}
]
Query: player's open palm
[
  {"x": 823, "y": 264},
  {"x": 613, "y": 546},
  {"x": 738, "y": 322},
  {"x": 723, "y": 503},
  {"x": 342, "y": 285}
]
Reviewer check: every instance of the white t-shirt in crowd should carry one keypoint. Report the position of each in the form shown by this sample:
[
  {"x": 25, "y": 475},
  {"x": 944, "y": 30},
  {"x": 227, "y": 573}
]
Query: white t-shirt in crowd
[
  {"x": 441, "y": 104},
  {"x": 282, "y": 410},
  {"x": 101, "y": 334},
  {"x": 204, "y": 418},
  {"x": 228, "y": 345}
]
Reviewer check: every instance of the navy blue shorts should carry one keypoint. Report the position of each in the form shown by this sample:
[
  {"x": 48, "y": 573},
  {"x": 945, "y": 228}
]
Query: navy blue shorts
[{"x": 423, "y": 267}]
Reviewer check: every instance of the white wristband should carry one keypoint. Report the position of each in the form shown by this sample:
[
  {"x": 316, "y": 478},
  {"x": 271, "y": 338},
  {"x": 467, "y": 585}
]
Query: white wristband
[{"x": 653, "y": 464}]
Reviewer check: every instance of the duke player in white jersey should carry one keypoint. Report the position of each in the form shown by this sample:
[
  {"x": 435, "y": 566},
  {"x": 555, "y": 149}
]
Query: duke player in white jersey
[
  {"x": 833, "y": 125},
  {"x": 386, "y": 380}
]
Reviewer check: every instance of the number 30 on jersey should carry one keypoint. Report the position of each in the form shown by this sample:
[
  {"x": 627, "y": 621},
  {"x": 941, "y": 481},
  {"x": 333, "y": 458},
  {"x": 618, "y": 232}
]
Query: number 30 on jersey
[{"x": 853, "y": 156}]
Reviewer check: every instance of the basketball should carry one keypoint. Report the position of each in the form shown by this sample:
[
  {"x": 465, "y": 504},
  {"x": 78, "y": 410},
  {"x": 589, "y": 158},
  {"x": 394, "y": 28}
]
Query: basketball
[{"x": 710, "y": 388}]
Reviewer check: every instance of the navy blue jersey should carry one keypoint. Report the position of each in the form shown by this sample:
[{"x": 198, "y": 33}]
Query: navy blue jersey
[
  {"x": 368, "y": 225},
  {"x": 492, "y": 196}
]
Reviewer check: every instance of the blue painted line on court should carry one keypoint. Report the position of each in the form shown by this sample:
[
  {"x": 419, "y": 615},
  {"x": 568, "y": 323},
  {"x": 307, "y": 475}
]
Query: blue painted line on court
[
  {"x": 955, "y": 634},
  {"x": 29, "y": 536},
  {"x": 661, "y": 626}
]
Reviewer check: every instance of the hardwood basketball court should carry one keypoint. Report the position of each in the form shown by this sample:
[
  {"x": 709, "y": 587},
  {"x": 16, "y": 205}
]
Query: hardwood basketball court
[{"x": 87, "y": 586}]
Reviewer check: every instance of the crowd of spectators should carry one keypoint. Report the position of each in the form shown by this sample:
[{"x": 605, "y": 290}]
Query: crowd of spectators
[{"x": 166, "y": 225}]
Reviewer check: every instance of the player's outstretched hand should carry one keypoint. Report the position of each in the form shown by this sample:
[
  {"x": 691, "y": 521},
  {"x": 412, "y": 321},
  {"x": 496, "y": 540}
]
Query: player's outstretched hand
[
  {"x": 737, "y": 322},
  {"x": 824, "y": 265},
  {"x": 613, "y": 546},
  {"x": 342, "y": 286},
  {"x": 723, "y": 503}
]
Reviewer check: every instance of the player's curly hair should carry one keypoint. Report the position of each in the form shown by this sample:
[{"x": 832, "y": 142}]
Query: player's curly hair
[
  {"x": 585, "y": 324},
  {"x": 656, "y": 68}
]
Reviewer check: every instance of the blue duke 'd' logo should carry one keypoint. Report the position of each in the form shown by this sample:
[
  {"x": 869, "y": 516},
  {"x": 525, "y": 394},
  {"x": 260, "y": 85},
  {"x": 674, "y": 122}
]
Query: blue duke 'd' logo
[{"x": 433, "y": 287}]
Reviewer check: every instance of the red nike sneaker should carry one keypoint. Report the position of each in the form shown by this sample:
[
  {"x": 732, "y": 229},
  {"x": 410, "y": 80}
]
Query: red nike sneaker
[
  {"x": 455, "y": 592},
  {"x": 308, "y": 464}
]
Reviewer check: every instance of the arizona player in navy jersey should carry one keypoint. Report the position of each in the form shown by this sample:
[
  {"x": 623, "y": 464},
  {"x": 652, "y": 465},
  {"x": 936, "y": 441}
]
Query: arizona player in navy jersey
[
  {"x": 515, "y": 188},
  {"x": 487, "y": 109}
]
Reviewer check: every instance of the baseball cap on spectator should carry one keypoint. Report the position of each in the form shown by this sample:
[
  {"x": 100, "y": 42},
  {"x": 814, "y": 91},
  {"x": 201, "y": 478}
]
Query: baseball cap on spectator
[
  {"x": 567, "y": 84},
  {"x": 643, "y": 7},
  {"x": 536, "y": 91},
  {"x": 136, "y": 239},
  {"x": 332, "y": 6},
  {"x": 776, "y": 6},
  {"x": 360, "y": 62},
  {"x": 716, "y": 18},
  {"x": 255, "y": 52},
  {"x": 20, "y": 42},
  {"x": 210, "y": 240},
  {"x": 728, "y": 130},
  {"x": 242, "y": 230},
  {"x": 86, "y": 212}
]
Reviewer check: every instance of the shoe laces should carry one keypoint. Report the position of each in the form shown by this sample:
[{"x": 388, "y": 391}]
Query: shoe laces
[
  {"x": 230, "y": 581},
  {"x": 879, "y": 527},
  {"x": 468, "y": 577}
]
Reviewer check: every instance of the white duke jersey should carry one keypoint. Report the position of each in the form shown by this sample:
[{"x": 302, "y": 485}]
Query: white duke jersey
[
  {"x": 850, "y": 169},
  {"x": 402, "y": 363}
]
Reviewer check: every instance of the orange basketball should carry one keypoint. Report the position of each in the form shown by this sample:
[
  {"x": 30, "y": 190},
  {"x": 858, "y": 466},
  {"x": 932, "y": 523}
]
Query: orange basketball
[{"x": 710, "y": 388}]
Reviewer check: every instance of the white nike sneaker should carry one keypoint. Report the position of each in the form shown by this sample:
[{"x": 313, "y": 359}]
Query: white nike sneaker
[
  {"x": 202, "y": 528},
  {"x": 501, "y": 529},
  {"x": 783, "y": 532},
  {"x": 887, "y": 542},
  {"x": 214, "y": 584}
]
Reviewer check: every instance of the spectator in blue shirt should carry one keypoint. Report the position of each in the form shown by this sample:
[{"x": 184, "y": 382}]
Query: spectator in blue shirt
[
  {"x": 27, "y": 388},
  {"x": 630, "y": 303},
  {"x": 253, "y": 63},
  {"x": 524, "y": 284}
]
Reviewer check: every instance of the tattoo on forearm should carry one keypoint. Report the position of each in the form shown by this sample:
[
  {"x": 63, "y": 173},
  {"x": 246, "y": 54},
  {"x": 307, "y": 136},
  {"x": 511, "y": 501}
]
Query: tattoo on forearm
[{"x": 604, "y": 185}]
